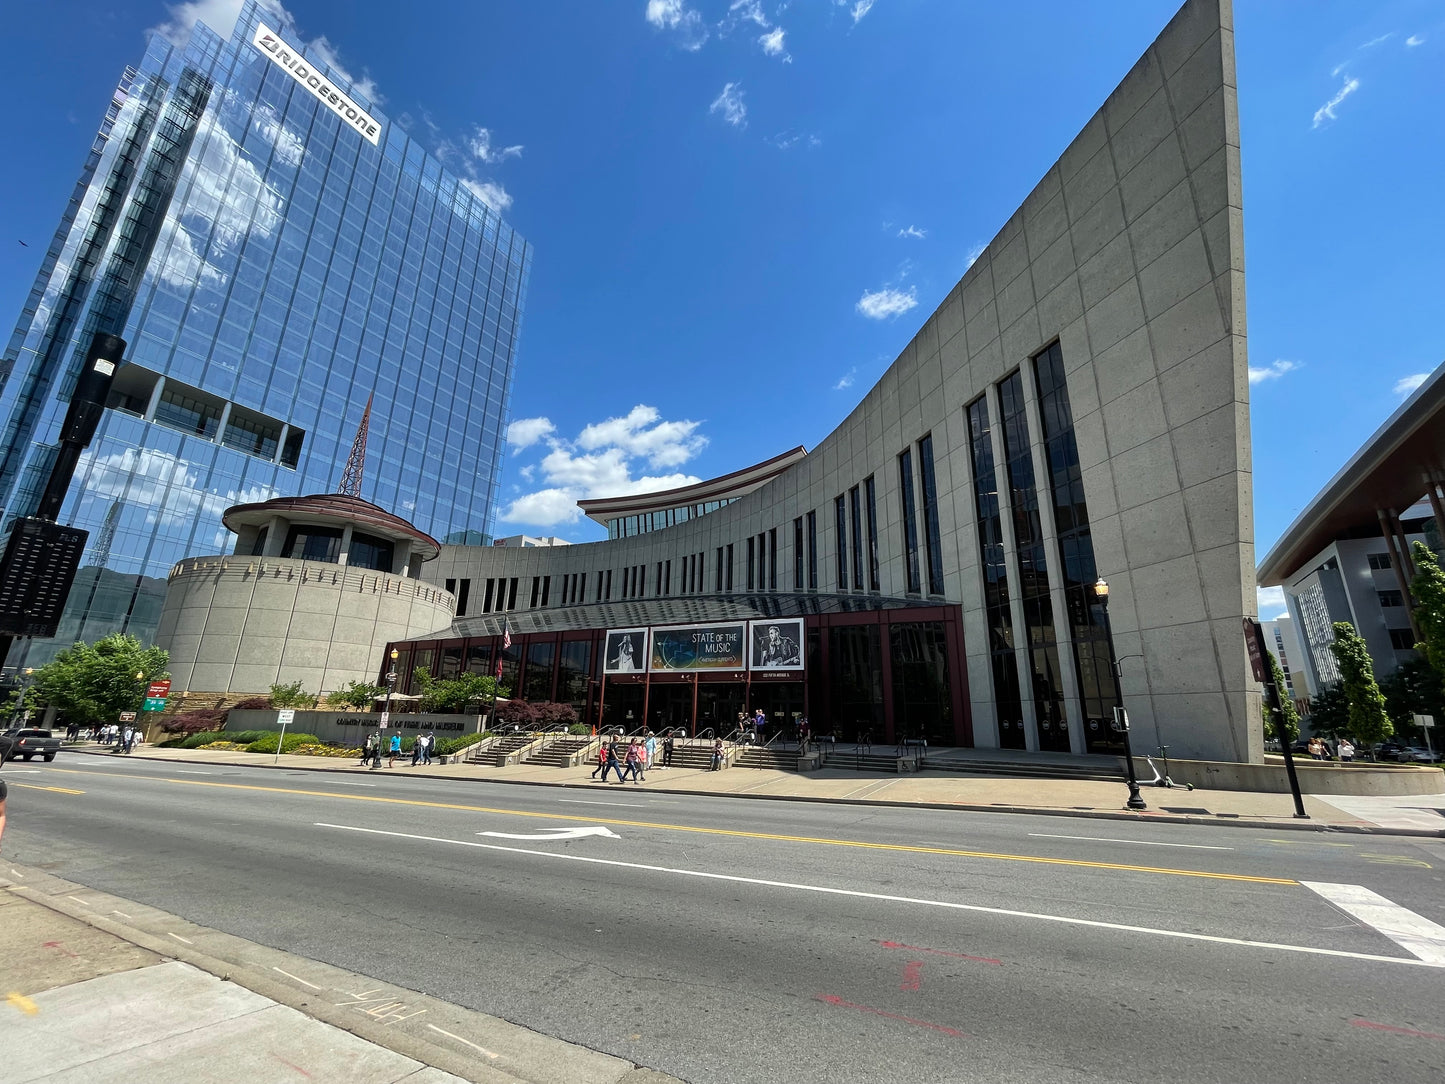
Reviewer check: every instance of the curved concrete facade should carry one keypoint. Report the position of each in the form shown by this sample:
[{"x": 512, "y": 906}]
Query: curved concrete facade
[
  {"x": 244, "y": 624},
  {"x": 1127, "y": 255}
]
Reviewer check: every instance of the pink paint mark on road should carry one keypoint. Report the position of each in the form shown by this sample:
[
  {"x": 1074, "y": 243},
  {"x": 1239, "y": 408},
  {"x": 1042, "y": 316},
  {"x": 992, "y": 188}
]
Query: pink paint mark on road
[
  {"x": 59, "y": 946},
  {"x": 941, "y": 952},
  {"x": 831, "y": 999},
  {"x": 1397, "y": 1031},
  {"x": 288, "y": 1065},
  {"x": 912, "y": 975}
]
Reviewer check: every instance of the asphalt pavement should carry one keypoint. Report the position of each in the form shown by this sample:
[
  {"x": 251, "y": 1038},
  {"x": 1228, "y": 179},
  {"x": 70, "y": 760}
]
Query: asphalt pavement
[{"x": 716, "y": 940}]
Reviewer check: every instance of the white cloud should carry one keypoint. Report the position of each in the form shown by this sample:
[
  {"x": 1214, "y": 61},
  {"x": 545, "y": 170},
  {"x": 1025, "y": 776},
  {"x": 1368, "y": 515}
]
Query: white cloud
[
  {"x": 325, "y": 52},
  {"x": 482, "y": 149},
  {"x": 1414, "y": 40},
  {"x": 685, "y": 24},
  {"x": 219, "y": 15},
  {"x": 1376, "y": 41},
  {"x": 730, "y": 104},
  {"x": 1272, "y": 372},
  {"x": 913, "y": 231},
  {"x": 525, "y": 432},
  {"x": 1407, "y": 385},
  {"x": 489, "y": 192},
  {"x": 846, "y": 380},
  {"x": 887, "y": 302},
  {"x": 166, "y": 485},
  {"x": 973, "y": 254},
  {"x": 772, "y": 43},
  {"x": 748, "y": 11},
  {"x": 1327, "y": 111},
  {"x": 859, "y": 8},
  {"x": 600, "y": 464},
  {"x": 1270, "y": 601},
  {"x": 785, "y": 141}
]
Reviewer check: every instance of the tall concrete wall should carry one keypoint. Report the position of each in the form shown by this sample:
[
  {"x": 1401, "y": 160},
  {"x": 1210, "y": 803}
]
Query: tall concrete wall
[{"x": 245, "y": 623}]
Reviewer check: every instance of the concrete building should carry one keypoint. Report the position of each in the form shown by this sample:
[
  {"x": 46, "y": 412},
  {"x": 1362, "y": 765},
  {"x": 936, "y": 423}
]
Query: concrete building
[
  {"x": 275, "y": 251},
  {"x": 1076, "y": 407},
  {"x": 1282, "y": 637},
  {"x": 1346, "y": 557},
  {"x": 314, "y": 590}
]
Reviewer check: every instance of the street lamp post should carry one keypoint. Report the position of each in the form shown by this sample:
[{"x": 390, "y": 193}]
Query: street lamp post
[
  {"x": 19, "y": 715},
  {"x": 386, "y": 708},
  {"x": 1121, "y": 717}
]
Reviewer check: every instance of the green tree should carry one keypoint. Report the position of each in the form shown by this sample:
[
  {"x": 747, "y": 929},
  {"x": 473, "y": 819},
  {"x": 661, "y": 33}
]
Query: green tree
[
  {"x": 1369, "y": 722},
  {"x": 1287, "y": 708},
  {"x": 1415, "y": 688},
  {"x": 1330, "y": 713},
  {"x": 454, "y": 694},
  {"x": 91, "y": 684},
  {"x": 1428, "y": 591},
  {"x": 291, "y": 696},
  {"x": 357, "y": 695}
]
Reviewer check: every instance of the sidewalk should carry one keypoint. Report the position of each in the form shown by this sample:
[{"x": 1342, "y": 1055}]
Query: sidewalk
[
  {"x": 95, "y": 989},
  {"x": 1411, "y": 815}
]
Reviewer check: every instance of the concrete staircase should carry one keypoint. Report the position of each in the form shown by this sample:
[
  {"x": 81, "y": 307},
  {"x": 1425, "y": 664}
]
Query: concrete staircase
[
  {"x": 697, "y": 756},
  {"x": 756, "y": 757},
  {"x": 1105, "y": 769},
  {"x": 849, "y": 759},
  {"x": 510, "y": 749},
  {"x": 565, "y": 752}
]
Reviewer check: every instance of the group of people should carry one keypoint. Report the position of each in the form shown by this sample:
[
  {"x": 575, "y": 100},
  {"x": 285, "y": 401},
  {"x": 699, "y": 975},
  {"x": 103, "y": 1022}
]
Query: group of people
[
  {"x": 634, "y": 758},
  {"x": 376, "y": 746},
  {"x": 752, "y": 729},
  {"x": 1319, "y": 749},
  {"x": 123, "y": 738}
]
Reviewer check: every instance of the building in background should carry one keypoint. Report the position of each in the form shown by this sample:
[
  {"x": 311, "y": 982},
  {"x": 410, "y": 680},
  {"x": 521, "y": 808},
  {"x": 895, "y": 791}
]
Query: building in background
[
  {"x": 1075, "y": 408},
  {"x": 523, "y": 541},
  {"x": 1282, "y": 637},
  {"x": 1346, "y": 557},
  {"x": 275, "y": 251}
]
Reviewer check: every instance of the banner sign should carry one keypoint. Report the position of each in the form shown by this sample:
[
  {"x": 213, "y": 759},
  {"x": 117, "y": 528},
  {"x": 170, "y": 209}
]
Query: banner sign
[
  {"x": 698, "y": 647},
  {"x": 159, "y": 688},
  {"x": 625, "y": 651},
  {"x": 270, "y": 43},
  {"x": 775, "y": 645}
]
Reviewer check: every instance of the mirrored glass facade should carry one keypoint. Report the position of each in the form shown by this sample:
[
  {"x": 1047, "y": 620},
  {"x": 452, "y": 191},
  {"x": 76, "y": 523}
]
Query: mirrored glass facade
[{"x": 270, "y": 268}]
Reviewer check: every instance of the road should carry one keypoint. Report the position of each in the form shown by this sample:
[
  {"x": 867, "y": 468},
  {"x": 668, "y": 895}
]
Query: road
[{"x": 730, "y": 941}]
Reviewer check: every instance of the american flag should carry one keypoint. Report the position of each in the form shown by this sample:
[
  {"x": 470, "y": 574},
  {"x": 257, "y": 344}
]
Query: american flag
[{"x": 506, "y": 634}]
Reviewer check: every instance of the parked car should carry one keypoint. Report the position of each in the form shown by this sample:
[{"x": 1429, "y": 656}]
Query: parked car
[
  {"x": 1416, "y": 754},
  {"x": 1390, "y": 750},
  {"x": 24, "y": 744}
]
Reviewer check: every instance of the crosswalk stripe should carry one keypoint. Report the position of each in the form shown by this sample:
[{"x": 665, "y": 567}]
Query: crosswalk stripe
[{"x": 1415, "y": 934}]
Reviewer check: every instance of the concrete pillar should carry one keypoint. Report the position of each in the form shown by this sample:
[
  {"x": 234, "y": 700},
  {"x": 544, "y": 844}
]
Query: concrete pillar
[
  {"x": 346, "y": 533},
  {"x": 221, "y": 425},
  {"x": 1433, "y": 478},
  {"x": 155, "y": 398},
  {"x": 275, "y": 537},
  {"x": 1395, "y": 543},
  {"x": 402, "y": 561}
]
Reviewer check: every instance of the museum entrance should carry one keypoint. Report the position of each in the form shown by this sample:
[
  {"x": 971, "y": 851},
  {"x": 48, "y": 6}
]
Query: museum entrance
[
  {"x": 718, "y": 704},
  {"x": 622, "y": 707},
  {"x": 782, "y": 703},
  {"x": 669, "y": 705}
]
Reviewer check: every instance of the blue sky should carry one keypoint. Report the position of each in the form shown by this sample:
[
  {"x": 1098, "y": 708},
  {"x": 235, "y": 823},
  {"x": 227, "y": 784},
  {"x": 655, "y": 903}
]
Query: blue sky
[{"x": 741, "y": 212}]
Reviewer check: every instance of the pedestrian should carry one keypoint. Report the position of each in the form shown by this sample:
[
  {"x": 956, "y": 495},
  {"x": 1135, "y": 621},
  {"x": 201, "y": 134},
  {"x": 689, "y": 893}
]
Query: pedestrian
[
  {"x": 1346, "y": 750},
  {"x": 803, "y": 733},
  {"x": 601, "y": 762},
  {"x": 717, "y": 755},
  {"x": 431, "y": 744},
  {"x": 418, "y": 743},
  {"x": 395, "y": 750},
  {"x": 760, "y": 724},
  {"x": 667, "y": 744},
  {"x": 649, "y": 749},
  {"x": 613, "y": 763},
  {"x": 367, "y": 747},
  {"x": 634, "y": 762},
  {"x": 865, "y": 740}
]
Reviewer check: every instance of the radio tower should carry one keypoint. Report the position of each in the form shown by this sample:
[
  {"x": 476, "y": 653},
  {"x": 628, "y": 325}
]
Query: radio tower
[{"x": 351, "y": 477}]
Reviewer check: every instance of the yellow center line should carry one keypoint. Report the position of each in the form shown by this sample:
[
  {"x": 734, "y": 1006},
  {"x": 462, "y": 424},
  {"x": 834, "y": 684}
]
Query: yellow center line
[
  {"x": 57, "y": 790},
  {"x": 777, "y": 837}
]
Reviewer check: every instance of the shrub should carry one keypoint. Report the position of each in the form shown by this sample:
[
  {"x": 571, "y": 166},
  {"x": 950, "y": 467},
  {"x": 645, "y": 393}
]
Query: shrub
[
  {"x": 291, "y": 696},
  {"x": 199, "y": 721},
  {"x": 308, "y": 750},
  {"x": 450, "y": 746},
  {"x": 579, "y": 728},
  {"x": 252, "y": 703},
  {"x": 204, "y": 737},
  {"x": 267, "y": 744}
]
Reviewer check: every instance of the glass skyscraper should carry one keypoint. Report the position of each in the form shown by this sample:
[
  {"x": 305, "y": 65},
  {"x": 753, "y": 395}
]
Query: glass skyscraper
[{"x": 275, "y": 252}]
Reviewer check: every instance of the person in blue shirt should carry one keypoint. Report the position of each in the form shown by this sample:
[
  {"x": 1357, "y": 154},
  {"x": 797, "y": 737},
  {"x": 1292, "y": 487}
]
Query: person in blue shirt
[{"x": 395, "y": 750}]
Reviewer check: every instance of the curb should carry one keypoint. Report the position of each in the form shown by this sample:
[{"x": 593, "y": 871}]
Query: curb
[
  {"x": 1215, "y": 820},
  {"x": 536, "y": 1056}
]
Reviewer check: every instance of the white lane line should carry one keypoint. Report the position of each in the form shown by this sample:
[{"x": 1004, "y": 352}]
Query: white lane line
[
  {"x": 190, "y": 771},
  {"x": 179, "y": 938},
  {"x": 17, "y": 873},
  {"x": 822, "y": 890},
  {"x": 121, "y": 913},
  {"x": 459, "y": 1039},
  {"x": 1140, "y": 842},
  {"x": 347, "y": 783},
  {"x": 620, "y": 805},
  {"x": 1412, "y": 932},
  {"x": 78, "y": 900},
  {"x": 297, "y": 978}
]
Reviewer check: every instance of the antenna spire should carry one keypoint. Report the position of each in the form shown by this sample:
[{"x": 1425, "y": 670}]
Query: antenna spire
[{"x": 351, "y": 477}]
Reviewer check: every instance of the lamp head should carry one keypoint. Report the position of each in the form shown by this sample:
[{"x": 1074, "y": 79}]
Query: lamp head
[
  {"x": 1101, "y": 589},
  {"x": 140, "y": 675},
  {"x": 395, "y": 654}
]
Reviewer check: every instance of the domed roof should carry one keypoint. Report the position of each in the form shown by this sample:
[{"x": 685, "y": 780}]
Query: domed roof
[{"x": 332, "y": 510}]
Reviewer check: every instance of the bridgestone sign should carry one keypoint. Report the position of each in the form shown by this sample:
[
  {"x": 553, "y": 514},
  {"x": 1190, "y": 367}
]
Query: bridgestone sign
[{"x": 270, "y": 43}]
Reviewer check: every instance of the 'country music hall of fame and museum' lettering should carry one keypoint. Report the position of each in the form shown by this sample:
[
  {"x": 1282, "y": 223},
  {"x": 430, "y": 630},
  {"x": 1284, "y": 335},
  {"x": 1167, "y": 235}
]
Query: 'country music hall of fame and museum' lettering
[{"x": 737, "y": 645}]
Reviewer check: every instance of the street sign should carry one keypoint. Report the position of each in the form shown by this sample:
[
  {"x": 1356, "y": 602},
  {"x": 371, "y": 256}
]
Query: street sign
[
  {"x": 127, "y": 716},
  {"x": 385, "y": 718},
  {"x": 1254, "y": 643},
  {"x": 286, "y": 716},
  {"x": 161, "y": 689},
  {"x": 1426, "y": 721},
  {"x": 154, "y": 703}
]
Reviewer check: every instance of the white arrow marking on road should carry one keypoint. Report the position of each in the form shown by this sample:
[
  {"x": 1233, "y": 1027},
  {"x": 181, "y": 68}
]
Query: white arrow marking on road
[{"x": 557, "y": 833}]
